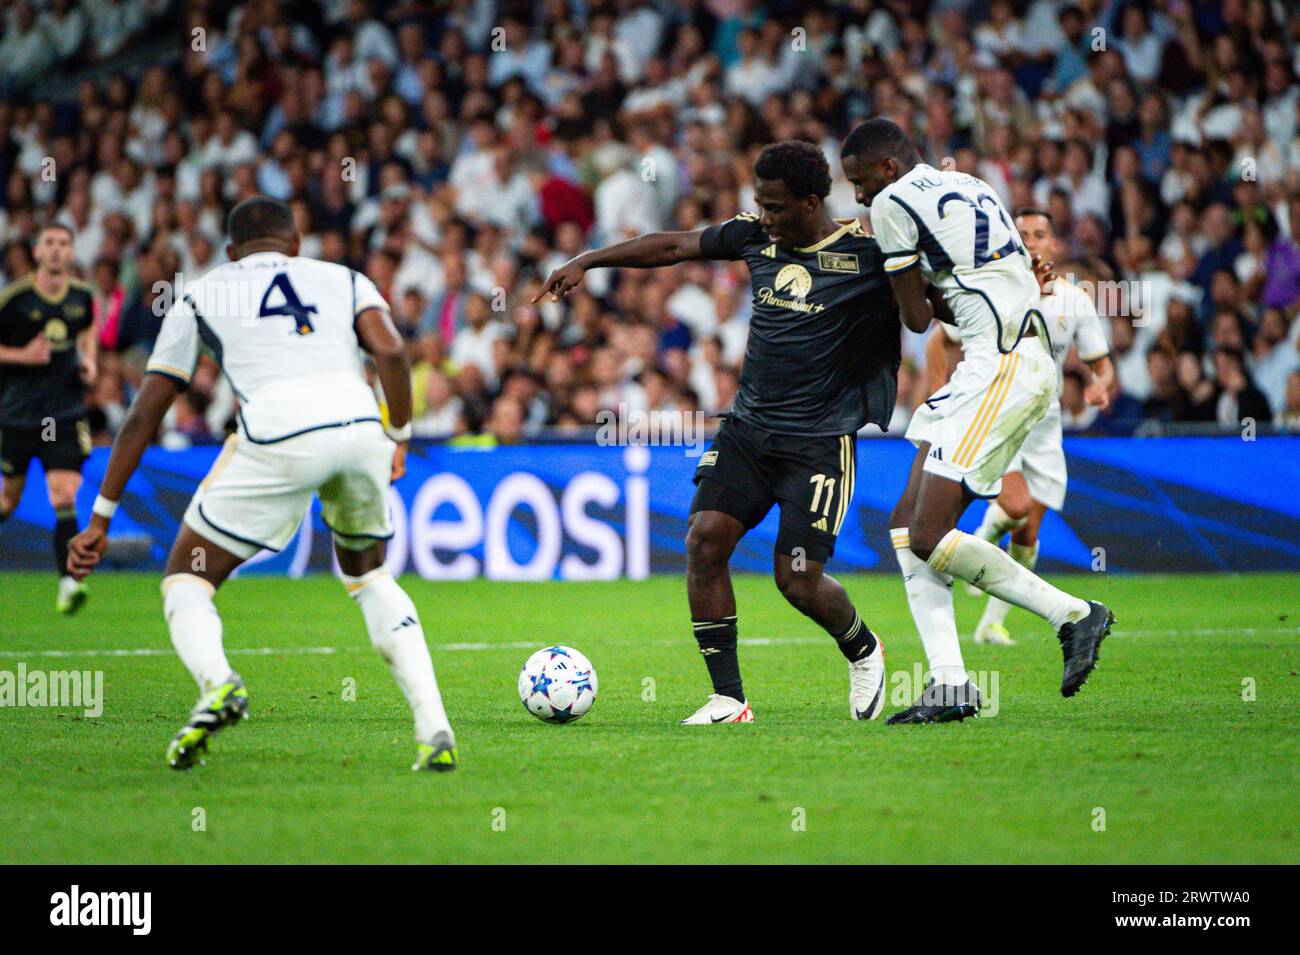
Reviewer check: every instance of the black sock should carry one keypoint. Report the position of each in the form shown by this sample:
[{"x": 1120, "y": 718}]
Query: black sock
[
  {"x": 65, "y": 528},
  {"x": 857, "y": 641},
  {"x": 717, "y": 640}
]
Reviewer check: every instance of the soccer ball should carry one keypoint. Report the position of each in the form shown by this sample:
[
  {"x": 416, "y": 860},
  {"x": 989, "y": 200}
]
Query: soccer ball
[{"x": 557, "y": 684}]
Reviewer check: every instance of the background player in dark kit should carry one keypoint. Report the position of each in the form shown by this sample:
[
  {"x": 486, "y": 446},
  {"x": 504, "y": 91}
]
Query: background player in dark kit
[
  {"x": 821, "y": 362},
  {"x": 47, "y": 358}
]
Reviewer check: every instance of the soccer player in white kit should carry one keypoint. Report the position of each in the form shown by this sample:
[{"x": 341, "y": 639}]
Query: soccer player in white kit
[
  {"x": 952, "y": 229},
  {"x": 1036, "y": 479},
  {"x": 288, "y": 333}
]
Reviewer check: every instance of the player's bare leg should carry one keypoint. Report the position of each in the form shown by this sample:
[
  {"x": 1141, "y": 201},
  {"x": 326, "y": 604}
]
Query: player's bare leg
[
  {"x": 1081, "y": 625},
  {"x": 710, "y": 540},
  {"x": 395, "y": 631},
  {"x": 1024, "y": 551},
  {"x": 62, "y": 485},
  {"x": 196, "y": 567},
  {"x": 820, "y": 597}
]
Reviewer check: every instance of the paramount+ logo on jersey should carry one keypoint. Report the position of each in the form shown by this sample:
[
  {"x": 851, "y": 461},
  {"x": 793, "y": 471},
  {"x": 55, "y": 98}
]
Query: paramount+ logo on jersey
[{"x": 796, "y": 282}]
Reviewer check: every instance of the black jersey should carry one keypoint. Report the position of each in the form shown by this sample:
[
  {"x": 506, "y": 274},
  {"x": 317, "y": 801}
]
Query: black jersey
[
  {"x": 824, "y": 336},
  {"x": 30, "y": 394}
]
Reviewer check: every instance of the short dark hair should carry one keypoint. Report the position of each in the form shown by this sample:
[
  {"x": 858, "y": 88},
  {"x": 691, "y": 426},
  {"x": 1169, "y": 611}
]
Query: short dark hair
[
  {"x": 800, "y": 165},
  {"x": 260, "y": 217},
  {"x": 1035, "y": 211},
  {"x": 62, "y": 227},
  {"x": 880, "y": 138}
]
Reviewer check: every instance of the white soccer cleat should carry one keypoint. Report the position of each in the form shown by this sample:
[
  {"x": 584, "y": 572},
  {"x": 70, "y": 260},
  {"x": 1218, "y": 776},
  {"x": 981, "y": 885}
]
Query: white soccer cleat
[
  {"x": 972, "y": 590},
  {"x": 867, "y": 684},
  {"x": 72, "y": 594},
  {"x": 994, "y": 633},
  {"x": 720, "y": 709}
]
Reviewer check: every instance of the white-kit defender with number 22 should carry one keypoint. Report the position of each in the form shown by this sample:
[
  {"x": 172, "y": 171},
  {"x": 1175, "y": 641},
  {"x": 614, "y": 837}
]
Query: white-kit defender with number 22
[{"x": 955, "y": 229}]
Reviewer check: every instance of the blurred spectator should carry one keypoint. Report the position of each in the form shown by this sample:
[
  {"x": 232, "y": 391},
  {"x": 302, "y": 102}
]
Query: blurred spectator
[
  {"x": 1239, "y": 399},
  {"x": 458, "y": 158}
]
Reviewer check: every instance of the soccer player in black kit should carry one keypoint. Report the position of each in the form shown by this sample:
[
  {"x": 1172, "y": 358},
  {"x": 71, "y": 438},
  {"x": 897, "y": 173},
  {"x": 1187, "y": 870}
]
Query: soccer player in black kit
[
  {"x": 47, "y": 357},
  {"x": 821, "y": 362}
]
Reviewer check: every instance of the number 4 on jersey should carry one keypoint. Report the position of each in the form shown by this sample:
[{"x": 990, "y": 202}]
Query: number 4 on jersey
[{"x": 292, "y": 305}]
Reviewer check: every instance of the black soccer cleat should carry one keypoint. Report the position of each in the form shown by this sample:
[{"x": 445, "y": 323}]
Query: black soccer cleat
[
  {"x": 941, "y": 704},
  {"x": 1081, "y": 645}
]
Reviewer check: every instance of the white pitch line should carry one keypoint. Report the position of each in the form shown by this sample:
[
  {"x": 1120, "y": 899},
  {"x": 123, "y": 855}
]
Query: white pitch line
[
  {"x": 533, "y": 644},
  {"x": 161, "y": 652}
]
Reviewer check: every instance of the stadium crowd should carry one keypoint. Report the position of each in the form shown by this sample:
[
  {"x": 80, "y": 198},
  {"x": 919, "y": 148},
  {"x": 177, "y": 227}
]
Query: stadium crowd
[{"x": 457, "y": 150}]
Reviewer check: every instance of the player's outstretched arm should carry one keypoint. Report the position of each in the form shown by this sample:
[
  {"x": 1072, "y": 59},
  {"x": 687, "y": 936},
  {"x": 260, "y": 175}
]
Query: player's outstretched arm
[
  {"x": 141, "y": 424},
  {"x": 382, "y": 341},
  {"x": 643, "y": 252}
]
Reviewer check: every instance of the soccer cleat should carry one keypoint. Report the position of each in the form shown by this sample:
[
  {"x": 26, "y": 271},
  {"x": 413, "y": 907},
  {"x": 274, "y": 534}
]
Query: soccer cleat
[
  {"x": 1081, "y": 645},
  {"x": 224, "y": 705},
  {"x": 720, "y": 709},
  {"x": 941, "y": 704},
  {"x": 972, "y": 590},
  {"x": 867, "y": 684},
  {"x": 72, "y": 595},
  {"x": 994, "y": 633},
  {"x": 439, "y": 755}
]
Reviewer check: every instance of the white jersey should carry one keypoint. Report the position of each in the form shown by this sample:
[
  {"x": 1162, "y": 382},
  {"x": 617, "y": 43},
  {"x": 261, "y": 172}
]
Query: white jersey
[
  {"x": 1072, "y": 320},
  {"x": 956, "y": 229},
  {"x": 281, "y": 329}
]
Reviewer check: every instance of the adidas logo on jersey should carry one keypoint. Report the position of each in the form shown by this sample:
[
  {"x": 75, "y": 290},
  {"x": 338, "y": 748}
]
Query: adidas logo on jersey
[
  {"x": 819, "y": 524},
  {"x": 770, "y": 251}
]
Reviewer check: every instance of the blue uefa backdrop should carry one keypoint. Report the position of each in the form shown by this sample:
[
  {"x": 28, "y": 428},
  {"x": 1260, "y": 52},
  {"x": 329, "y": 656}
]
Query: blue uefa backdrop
[{"x": 582, "y": 511}]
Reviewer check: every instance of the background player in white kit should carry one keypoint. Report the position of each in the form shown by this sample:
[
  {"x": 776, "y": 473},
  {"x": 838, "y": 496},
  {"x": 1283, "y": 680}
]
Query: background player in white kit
[
  {"x": 288, "y": 333},
  {"x": 955, "y": 229},
  {"x": 1036, "y": 478}
]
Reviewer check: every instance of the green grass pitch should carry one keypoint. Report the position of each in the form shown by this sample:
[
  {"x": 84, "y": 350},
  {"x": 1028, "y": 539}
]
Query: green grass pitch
[{"x": 1159, "y": 760}]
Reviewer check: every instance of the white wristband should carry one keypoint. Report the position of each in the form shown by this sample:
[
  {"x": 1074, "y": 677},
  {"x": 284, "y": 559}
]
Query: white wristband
[
  {"x": 104, "y": 507},
  {"x": 398, "y": 434}
]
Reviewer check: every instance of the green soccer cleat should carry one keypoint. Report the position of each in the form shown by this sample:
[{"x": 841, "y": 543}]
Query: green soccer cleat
[
  {"x": 72, "y": 595},
  {"x": 439, "y": 756},
  {"x": 224, "y": 705},
  {"x": 994, "y": 633}
]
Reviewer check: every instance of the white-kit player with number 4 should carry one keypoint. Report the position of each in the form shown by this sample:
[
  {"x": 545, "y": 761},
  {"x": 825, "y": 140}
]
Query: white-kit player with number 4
[
  {"x": 288, "y": 333},
  {"x": 951, "y": 228}
]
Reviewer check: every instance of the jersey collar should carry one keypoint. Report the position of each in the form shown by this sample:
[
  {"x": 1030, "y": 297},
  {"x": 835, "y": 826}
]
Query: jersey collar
[{"x": 846, "y": 225}]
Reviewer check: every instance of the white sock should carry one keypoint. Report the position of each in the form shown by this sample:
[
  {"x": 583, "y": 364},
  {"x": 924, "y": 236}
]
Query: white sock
[
  {"x": 996, "y": 523},
  {"x": 995, "y": 611},
  {"x": 396, "y": 633},
  {"x": 991, "y": 570},
  {"x": 195, "y": 628},
  {"x": 929, "y": 596}
]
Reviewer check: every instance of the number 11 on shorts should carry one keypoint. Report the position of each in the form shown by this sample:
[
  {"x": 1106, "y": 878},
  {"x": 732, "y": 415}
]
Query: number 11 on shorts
[{"x": 828, "y": 485}]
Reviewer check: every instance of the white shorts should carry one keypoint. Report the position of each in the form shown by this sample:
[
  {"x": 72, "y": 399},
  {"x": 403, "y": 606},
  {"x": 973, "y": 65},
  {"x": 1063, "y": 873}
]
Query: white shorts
[
  {"x": 976, "y": 423},
  {"x": 1041, "y": 459},
  {"x": 256, "y": 495}
]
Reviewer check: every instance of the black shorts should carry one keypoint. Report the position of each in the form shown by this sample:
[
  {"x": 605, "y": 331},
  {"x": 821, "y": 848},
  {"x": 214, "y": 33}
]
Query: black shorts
[
  {"x": 62, "y": 446},
  {"x": 747, "y": 470}
]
